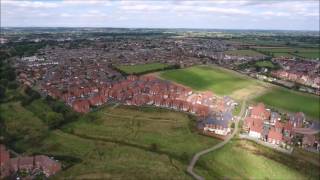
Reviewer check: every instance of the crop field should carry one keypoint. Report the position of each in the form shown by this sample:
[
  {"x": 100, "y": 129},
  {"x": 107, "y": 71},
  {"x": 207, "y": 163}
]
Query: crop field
[
  {"x": 219, "y": 81},
  {"x": 292, "y": 101},
  {"x": 243, "y": 53},
  {"x": 141, "y": 68},
  {"x": 242, "y": 159},
  {"x": 312, "y": 53}
]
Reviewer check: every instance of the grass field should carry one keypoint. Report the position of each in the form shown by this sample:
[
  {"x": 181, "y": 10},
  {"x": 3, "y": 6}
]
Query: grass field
[
  {"x": 243, "y": 53},
  {"x": 247, "y": 160},
  {"x": 22, "y": 125},
  {"x": 215, "y": 79},
  {"x": 265, "y": 64},
  {"x": 292, "y": 101},
  {"x": 127, "y": 142},
  {"x": 225, "y": 82},
  {"x": 141, "y": 68},
  {"x": 312, "y": 53}
]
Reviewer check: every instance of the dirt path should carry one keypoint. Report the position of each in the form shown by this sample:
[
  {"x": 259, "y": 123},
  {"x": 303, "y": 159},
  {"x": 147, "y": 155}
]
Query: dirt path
[{"x": 217, "y": 146}]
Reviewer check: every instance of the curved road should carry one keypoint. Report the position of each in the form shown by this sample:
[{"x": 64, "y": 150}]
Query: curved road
[{"x": 217, "y": 146}]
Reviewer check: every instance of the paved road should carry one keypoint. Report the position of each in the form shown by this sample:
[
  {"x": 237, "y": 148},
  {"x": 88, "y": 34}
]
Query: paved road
[{"x": 217, "y": 146}]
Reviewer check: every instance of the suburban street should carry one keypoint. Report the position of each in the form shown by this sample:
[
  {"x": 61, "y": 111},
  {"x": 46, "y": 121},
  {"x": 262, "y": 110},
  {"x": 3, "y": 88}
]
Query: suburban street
[{"x": 217, "y": 146}]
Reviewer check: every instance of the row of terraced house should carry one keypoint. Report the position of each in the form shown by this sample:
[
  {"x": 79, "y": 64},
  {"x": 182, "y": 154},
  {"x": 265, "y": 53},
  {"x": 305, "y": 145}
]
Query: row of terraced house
[
  {"x": 29, "y": 165},
  {"x": 148, "y": 90}
]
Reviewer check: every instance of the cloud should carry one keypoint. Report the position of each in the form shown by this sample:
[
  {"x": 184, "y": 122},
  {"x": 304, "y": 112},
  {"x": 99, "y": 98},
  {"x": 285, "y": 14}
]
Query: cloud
[
  {"x": 269, "y": 14},
  {"x": 30, "y": 4}
]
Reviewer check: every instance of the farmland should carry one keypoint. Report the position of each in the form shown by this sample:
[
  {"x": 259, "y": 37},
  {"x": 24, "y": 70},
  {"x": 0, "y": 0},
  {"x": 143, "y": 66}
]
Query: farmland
[
  {"x": 246, "y": 160},
  {"x": 311, "y": 53},
  {"x": 292, "y": 101},
  {"x": 141, "y": 68}
]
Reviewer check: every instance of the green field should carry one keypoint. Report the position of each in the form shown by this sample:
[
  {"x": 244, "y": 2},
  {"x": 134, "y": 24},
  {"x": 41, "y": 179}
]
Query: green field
[
  {"x": 142, "y": 68},
  {"x": 127, "y": 141},
  {"x": 243, "y": 53},
  {"x": 312, "y": 53},
  {"x": 225, "y": 82},
  {"x": 247, "y": 160},
  {"x": 265, "y": 64},
  {"x": 292, "y": 101},
  {"x": 215, "y": 79}
]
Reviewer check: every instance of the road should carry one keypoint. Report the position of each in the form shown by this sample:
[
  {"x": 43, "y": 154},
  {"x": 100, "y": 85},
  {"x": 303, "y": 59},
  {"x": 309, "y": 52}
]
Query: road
[{"x": 217, "y": 146}]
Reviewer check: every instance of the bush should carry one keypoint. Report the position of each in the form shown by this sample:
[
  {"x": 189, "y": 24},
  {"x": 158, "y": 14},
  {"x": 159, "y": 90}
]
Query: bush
[
  {"x": 154, "y": 147},
  {"x": 54, "y": 119},
  {"x": 4, "y": 82},
  {"x": 2, "y": 92},
  {"x": 13, "y": 85},
  {"x": 32, "y": 93}
]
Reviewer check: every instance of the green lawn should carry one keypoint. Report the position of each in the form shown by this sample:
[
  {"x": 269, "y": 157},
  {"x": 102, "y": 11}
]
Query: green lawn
[
  {"x": 242, "y": 159},
  {"x": 142, "y": 68},
  {"x": 292, "y": 101},
  {"x": 265, "y": 64},
  {"x": 224, "y": 82},
  {"x": 243, "y": 53},
  {"x": 217, "y": 80}
]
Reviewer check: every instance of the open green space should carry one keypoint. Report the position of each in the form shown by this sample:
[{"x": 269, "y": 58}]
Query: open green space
[
  {"x": 311, "y": 53},
  {"x": 119, "y": 142},
  {"x": 243, "y": 53},
  {"x": 142, "y": 68},
  {"x": 215, "y": 79},
  {"x": 242, "y": 159},
  {"x": 225, "y": 82},
  {"x": 265, "y": 64},
  {"x": 292, "y": 101}
]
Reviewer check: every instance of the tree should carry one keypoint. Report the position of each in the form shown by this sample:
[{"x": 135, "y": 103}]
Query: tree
[
  {"x": 54, "y": 119},
  {"x": 2, "y": 92},
  {"x": 154, "y": 147},
  {"x": 13, "y": 85}
]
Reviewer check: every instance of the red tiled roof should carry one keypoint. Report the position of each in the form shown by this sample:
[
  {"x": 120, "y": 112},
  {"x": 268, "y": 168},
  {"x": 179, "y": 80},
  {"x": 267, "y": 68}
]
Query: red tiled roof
[
  {"x": 254, "y": 124},
  {"x": 4, "y": 155},
  {"x": 260, "y": 111},
  {"x": 275, "y": 134}
]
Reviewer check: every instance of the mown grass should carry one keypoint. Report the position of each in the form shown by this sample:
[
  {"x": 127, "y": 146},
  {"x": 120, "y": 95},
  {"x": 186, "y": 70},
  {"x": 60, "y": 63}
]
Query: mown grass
[
  {"x": 217, "y": 80},
  {"x": 242, "y": 159},
  {"x": 141, "y": 68},
  {"x": 292, "y": 101}
]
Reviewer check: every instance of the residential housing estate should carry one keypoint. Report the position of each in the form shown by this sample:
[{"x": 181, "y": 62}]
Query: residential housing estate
[
  {"x": 280, "y": 129},
  {"x": 31, "y": 165}
]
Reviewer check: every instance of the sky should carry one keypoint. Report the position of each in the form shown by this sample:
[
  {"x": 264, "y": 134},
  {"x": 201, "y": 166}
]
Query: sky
[{"x": 207, "y": 14}]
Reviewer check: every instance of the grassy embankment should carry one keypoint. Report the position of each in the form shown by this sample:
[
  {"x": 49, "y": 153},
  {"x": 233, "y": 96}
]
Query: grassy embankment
[{"x": 242, "y": 159}]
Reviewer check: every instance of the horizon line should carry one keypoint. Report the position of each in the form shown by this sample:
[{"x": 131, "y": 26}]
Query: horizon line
[{"x": 318, "y": 30}]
